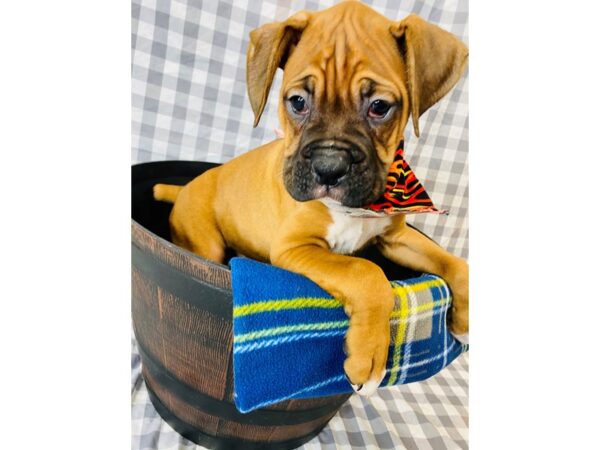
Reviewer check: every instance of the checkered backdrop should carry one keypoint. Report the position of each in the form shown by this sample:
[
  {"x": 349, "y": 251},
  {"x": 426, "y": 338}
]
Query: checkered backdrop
[{"x": 189, "y": 103}]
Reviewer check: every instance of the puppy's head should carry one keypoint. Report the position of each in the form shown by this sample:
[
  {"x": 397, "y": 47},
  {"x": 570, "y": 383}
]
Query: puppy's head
[{"x": 351, "y": 80}]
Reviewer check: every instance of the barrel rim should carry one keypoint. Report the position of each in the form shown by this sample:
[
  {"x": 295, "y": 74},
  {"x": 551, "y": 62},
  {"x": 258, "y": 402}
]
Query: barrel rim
[
  {"x": 142, "y": 230},
  {"x": 141, "y": 238}
]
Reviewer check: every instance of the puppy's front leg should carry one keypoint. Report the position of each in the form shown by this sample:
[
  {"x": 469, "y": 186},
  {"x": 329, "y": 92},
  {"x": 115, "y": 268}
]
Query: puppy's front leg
[
  {"x": 359, "y": 284},
  {"x": 410, "y": 248}
]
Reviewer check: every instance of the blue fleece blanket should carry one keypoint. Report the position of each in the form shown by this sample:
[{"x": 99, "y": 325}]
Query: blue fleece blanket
[{"x": 289, "y": 335}]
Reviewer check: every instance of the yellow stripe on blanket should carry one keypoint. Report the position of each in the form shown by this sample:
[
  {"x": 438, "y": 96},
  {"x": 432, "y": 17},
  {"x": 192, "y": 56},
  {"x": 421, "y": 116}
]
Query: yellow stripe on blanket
[
  {"x": 278, "y": 305},
  {"x": 322, "y": 302},
  {"x": 400, "y": 313},
  {"x": 418, "y": 287}
]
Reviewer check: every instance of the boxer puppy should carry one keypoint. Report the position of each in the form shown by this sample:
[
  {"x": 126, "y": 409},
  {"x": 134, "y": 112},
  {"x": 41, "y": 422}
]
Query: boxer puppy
[{"x": 351, "y": 79}]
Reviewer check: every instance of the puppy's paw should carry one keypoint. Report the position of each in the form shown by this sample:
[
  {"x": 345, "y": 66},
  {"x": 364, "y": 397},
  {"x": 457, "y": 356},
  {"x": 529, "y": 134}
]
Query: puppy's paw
[
  {"x": 367, "y": 346},
  {"x": 459, "y": 285},
  {"x": 369, "y": 388}
]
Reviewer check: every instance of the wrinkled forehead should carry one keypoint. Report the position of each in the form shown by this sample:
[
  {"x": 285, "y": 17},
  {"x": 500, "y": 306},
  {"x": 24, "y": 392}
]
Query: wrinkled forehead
[{"x": 347, "y": 52}]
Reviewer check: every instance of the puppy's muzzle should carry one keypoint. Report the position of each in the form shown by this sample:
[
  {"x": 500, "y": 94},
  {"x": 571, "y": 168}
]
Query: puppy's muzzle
[{"x": 330, "y": 161}]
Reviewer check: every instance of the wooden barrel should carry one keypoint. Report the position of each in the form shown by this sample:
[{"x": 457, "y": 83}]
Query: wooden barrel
[{"x": 182, "y": 307}]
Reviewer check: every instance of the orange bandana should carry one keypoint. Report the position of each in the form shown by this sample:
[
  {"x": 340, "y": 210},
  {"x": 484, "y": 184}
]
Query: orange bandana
[{"x": 404, "y": 193}]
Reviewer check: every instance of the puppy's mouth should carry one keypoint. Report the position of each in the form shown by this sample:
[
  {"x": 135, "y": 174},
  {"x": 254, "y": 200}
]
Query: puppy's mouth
[{"x": 336, "y": 192}]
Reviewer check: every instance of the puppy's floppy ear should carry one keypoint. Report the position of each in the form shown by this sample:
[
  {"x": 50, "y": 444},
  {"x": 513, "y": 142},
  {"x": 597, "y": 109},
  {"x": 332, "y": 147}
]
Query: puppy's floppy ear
[
  {"x": 435, "y": 59},
  {"x": 269, "y": 48}
]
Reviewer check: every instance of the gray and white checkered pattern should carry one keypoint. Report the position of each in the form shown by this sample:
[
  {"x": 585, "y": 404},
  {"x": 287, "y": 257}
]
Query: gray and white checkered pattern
[{"x": 189, "y": 102}]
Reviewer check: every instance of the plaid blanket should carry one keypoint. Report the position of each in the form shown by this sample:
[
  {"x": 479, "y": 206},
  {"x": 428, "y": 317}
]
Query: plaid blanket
[{"x": 289, "y": 334}]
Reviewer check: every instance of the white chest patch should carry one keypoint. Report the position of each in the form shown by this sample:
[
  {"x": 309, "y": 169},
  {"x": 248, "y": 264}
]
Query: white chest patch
[{"x": 347, "y": 233}]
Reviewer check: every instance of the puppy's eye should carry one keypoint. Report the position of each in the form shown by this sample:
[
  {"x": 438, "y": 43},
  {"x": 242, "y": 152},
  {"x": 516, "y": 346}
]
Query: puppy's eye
[
  {"x": 378, "y": 109},
  {"x": 298, "y": 104}
]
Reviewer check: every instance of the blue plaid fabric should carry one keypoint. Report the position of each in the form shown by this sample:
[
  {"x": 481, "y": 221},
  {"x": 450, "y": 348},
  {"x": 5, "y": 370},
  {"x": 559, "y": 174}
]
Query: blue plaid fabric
[{"x": 289, "y": 335}]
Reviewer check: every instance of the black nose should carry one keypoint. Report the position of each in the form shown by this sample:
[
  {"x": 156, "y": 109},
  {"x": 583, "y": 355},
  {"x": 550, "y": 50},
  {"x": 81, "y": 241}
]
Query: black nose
[{"x": 330, "y": 165}]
